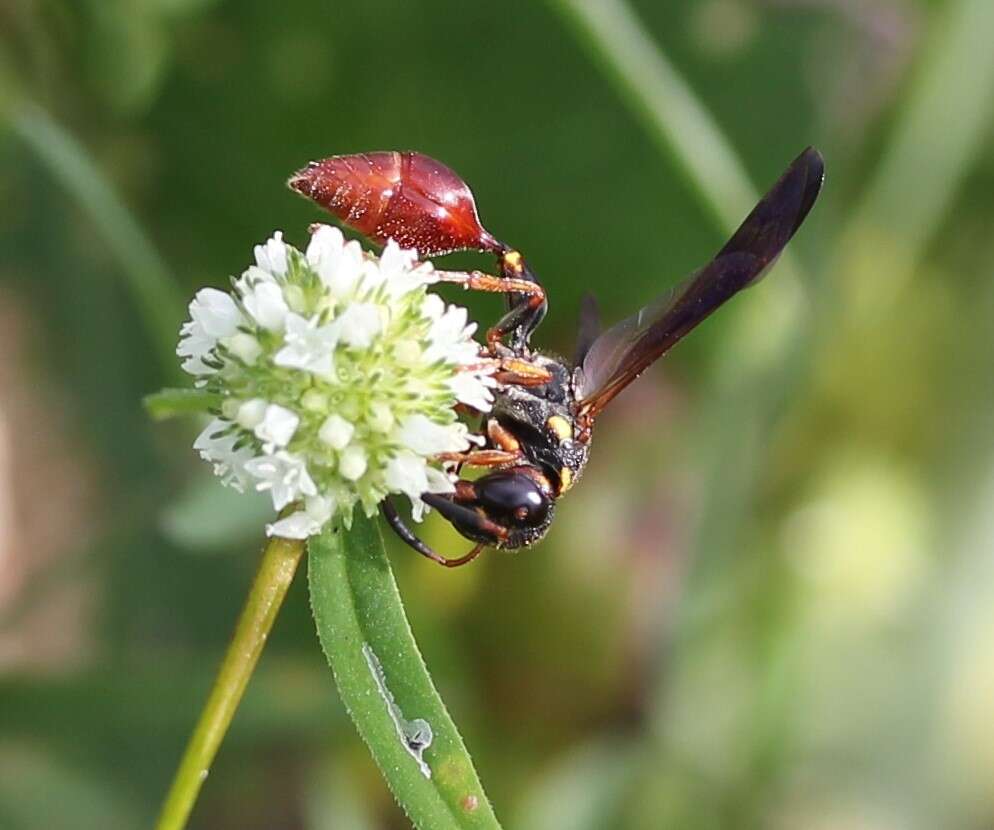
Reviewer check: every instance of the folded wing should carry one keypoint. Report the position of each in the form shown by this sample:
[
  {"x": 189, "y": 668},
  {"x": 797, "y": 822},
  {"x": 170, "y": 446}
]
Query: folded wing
[{"x": 624, "y": 351}]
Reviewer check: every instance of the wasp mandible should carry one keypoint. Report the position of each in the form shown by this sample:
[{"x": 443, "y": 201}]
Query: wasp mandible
[{"x": 536, "y": 439}]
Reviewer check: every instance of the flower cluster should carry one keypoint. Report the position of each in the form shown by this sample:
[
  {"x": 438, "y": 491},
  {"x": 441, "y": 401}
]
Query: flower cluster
[{"x": 338, "y": 374}]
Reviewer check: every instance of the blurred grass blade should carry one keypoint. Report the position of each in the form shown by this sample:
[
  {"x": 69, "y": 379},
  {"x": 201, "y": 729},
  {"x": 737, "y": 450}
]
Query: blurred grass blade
[
  {"x": 675, "y": 118},
  {"x": 686, "y": 132},
  {"x": 384, "y": 684},
  {"x": 147, "y": 277},
  {"x": 939, "y": 135},
  {"x": 171, "y": 403}
]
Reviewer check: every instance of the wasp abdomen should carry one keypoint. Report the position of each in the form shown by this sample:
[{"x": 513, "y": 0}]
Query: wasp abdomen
[{"x": 408, "y": 197}]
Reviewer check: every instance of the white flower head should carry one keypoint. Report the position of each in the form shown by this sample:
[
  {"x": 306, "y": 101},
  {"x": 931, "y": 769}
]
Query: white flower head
[{"x": 337, "y": 375}]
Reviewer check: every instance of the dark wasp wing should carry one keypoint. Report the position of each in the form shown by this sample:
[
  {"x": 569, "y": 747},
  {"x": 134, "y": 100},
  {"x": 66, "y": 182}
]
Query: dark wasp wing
[
  {"x": 588, "y": 327},
  {"x": 624, "y": 351}
]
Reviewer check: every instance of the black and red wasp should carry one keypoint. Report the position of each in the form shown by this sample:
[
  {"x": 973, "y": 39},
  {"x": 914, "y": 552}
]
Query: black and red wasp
[{"x": 537, "y": 436}]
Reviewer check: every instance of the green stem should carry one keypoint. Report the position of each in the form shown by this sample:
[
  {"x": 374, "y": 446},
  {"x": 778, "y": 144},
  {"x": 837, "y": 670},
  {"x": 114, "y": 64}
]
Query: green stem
[{"x": 279, "y": 563}]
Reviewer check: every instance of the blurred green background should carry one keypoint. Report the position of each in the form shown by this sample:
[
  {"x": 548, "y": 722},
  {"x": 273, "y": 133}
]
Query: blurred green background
[{"x": 768, "y": 603}]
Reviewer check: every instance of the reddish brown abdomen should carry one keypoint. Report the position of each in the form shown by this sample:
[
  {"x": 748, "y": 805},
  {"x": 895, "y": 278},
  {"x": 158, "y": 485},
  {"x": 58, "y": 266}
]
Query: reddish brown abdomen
[{"x": 410, "y": 198}]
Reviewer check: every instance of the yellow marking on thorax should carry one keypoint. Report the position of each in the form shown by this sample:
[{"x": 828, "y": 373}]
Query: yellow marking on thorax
[
  {"x": 561, "y": 427},
  {"x": 565, "y": 479},
  {"x": 513, "y": 261}
]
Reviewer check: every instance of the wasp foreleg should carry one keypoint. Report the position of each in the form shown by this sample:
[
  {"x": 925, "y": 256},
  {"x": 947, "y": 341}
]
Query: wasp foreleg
[{"x": 407, "y": 535}]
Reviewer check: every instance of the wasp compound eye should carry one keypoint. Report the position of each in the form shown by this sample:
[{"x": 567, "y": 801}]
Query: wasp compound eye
[{"x": 513, "y": 499}]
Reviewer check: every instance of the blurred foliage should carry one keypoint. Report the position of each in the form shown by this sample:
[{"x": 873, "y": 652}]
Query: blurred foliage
[{"x": 769, "y": 601}]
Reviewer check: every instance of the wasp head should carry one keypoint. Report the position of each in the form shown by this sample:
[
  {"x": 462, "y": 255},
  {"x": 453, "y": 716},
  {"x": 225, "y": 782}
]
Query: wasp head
[{"x": 507, "y": 509}]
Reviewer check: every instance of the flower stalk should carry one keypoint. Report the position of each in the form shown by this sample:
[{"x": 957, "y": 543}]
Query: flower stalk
[{"x": 280, "y": 559}]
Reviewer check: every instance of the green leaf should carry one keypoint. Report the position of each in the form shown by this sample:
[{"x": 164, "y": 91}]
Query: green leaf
[
  {"x": 169, "y": 403},
  {"x": 384, "y": 683}
]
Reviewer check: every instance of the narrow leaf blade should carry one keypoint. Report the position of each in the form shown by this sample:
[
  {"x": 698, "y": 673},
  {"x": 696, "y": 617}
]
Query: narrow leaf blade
[{"x": 384, "y": 684}]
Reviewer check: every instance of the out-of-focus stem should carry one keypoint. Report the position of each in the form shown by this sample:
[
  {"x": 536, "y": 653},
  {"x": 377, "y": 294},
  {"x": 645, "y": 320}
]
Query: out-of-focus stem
[
  {"x": 674, "y": 116},
  {"x": 148, "y": 279},
  {"x": 279, "y": 563}
]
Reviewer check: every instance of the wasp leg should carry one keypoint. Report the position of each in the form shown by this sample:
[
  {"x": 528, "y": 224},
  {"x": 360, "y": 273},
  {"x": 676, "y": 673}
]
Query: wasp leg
[
  {"x": 512, "y": 371},
  {"x": 516, "y": 372},
  {"x": 407, "y": 535},
  {"x": 520, "y": 321},
  {"x": 481, "y": 458},
  {"x": 479, "y": 281},
  {"x": 501, "y": 437},
  {"x": 527, "y": 300}
]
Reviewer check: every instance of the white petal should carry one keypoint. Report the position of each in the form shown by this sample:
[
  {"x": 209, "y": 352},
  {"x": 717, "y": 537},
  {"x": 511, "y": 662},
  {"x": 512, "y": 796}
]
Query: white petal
[
  {"x": 251, "y": 277},
  {"x": 353, "y": 462},
  {"x": 284, "y": 475},
  {"x": 277, "y": 426},
  {"x": 451, "y": 337},
  {"x": 244, "y": 346},
  {"x": 395, "y": 260},
  {"x": 295, "y": 526},
  {"x": 306, "y": 522},
  {"x": 213, "y": 315},
  {"x": 401, "y": 272},
  {"x": 271, "y": 257},
  {"x": 338, "y": 264},
  {"x": 432, "y": 307},
  {"x": 425, "y": 437},
  {"x": 359, "y": 324},
  {"x": 216, "y": 313},
  {"x": 472, "y": 390},
  {"x": 308, "y": 347},
  {"x": 438, "y": 482},
  {"x": 406, "y": 474},
  {"x": 266, "y": 305},
  {"x": 251, "y": 413},
  {"x": 195, "y": 344},
  {"x": 336, "y": 432},
  {"x": 325, "y": 246},
  {"x": 229, "y": 463}
]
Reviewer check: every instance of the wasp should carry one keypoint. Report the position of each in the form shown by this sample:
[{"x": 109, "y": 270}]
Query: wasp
[{"x": 536, "y": 438}]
